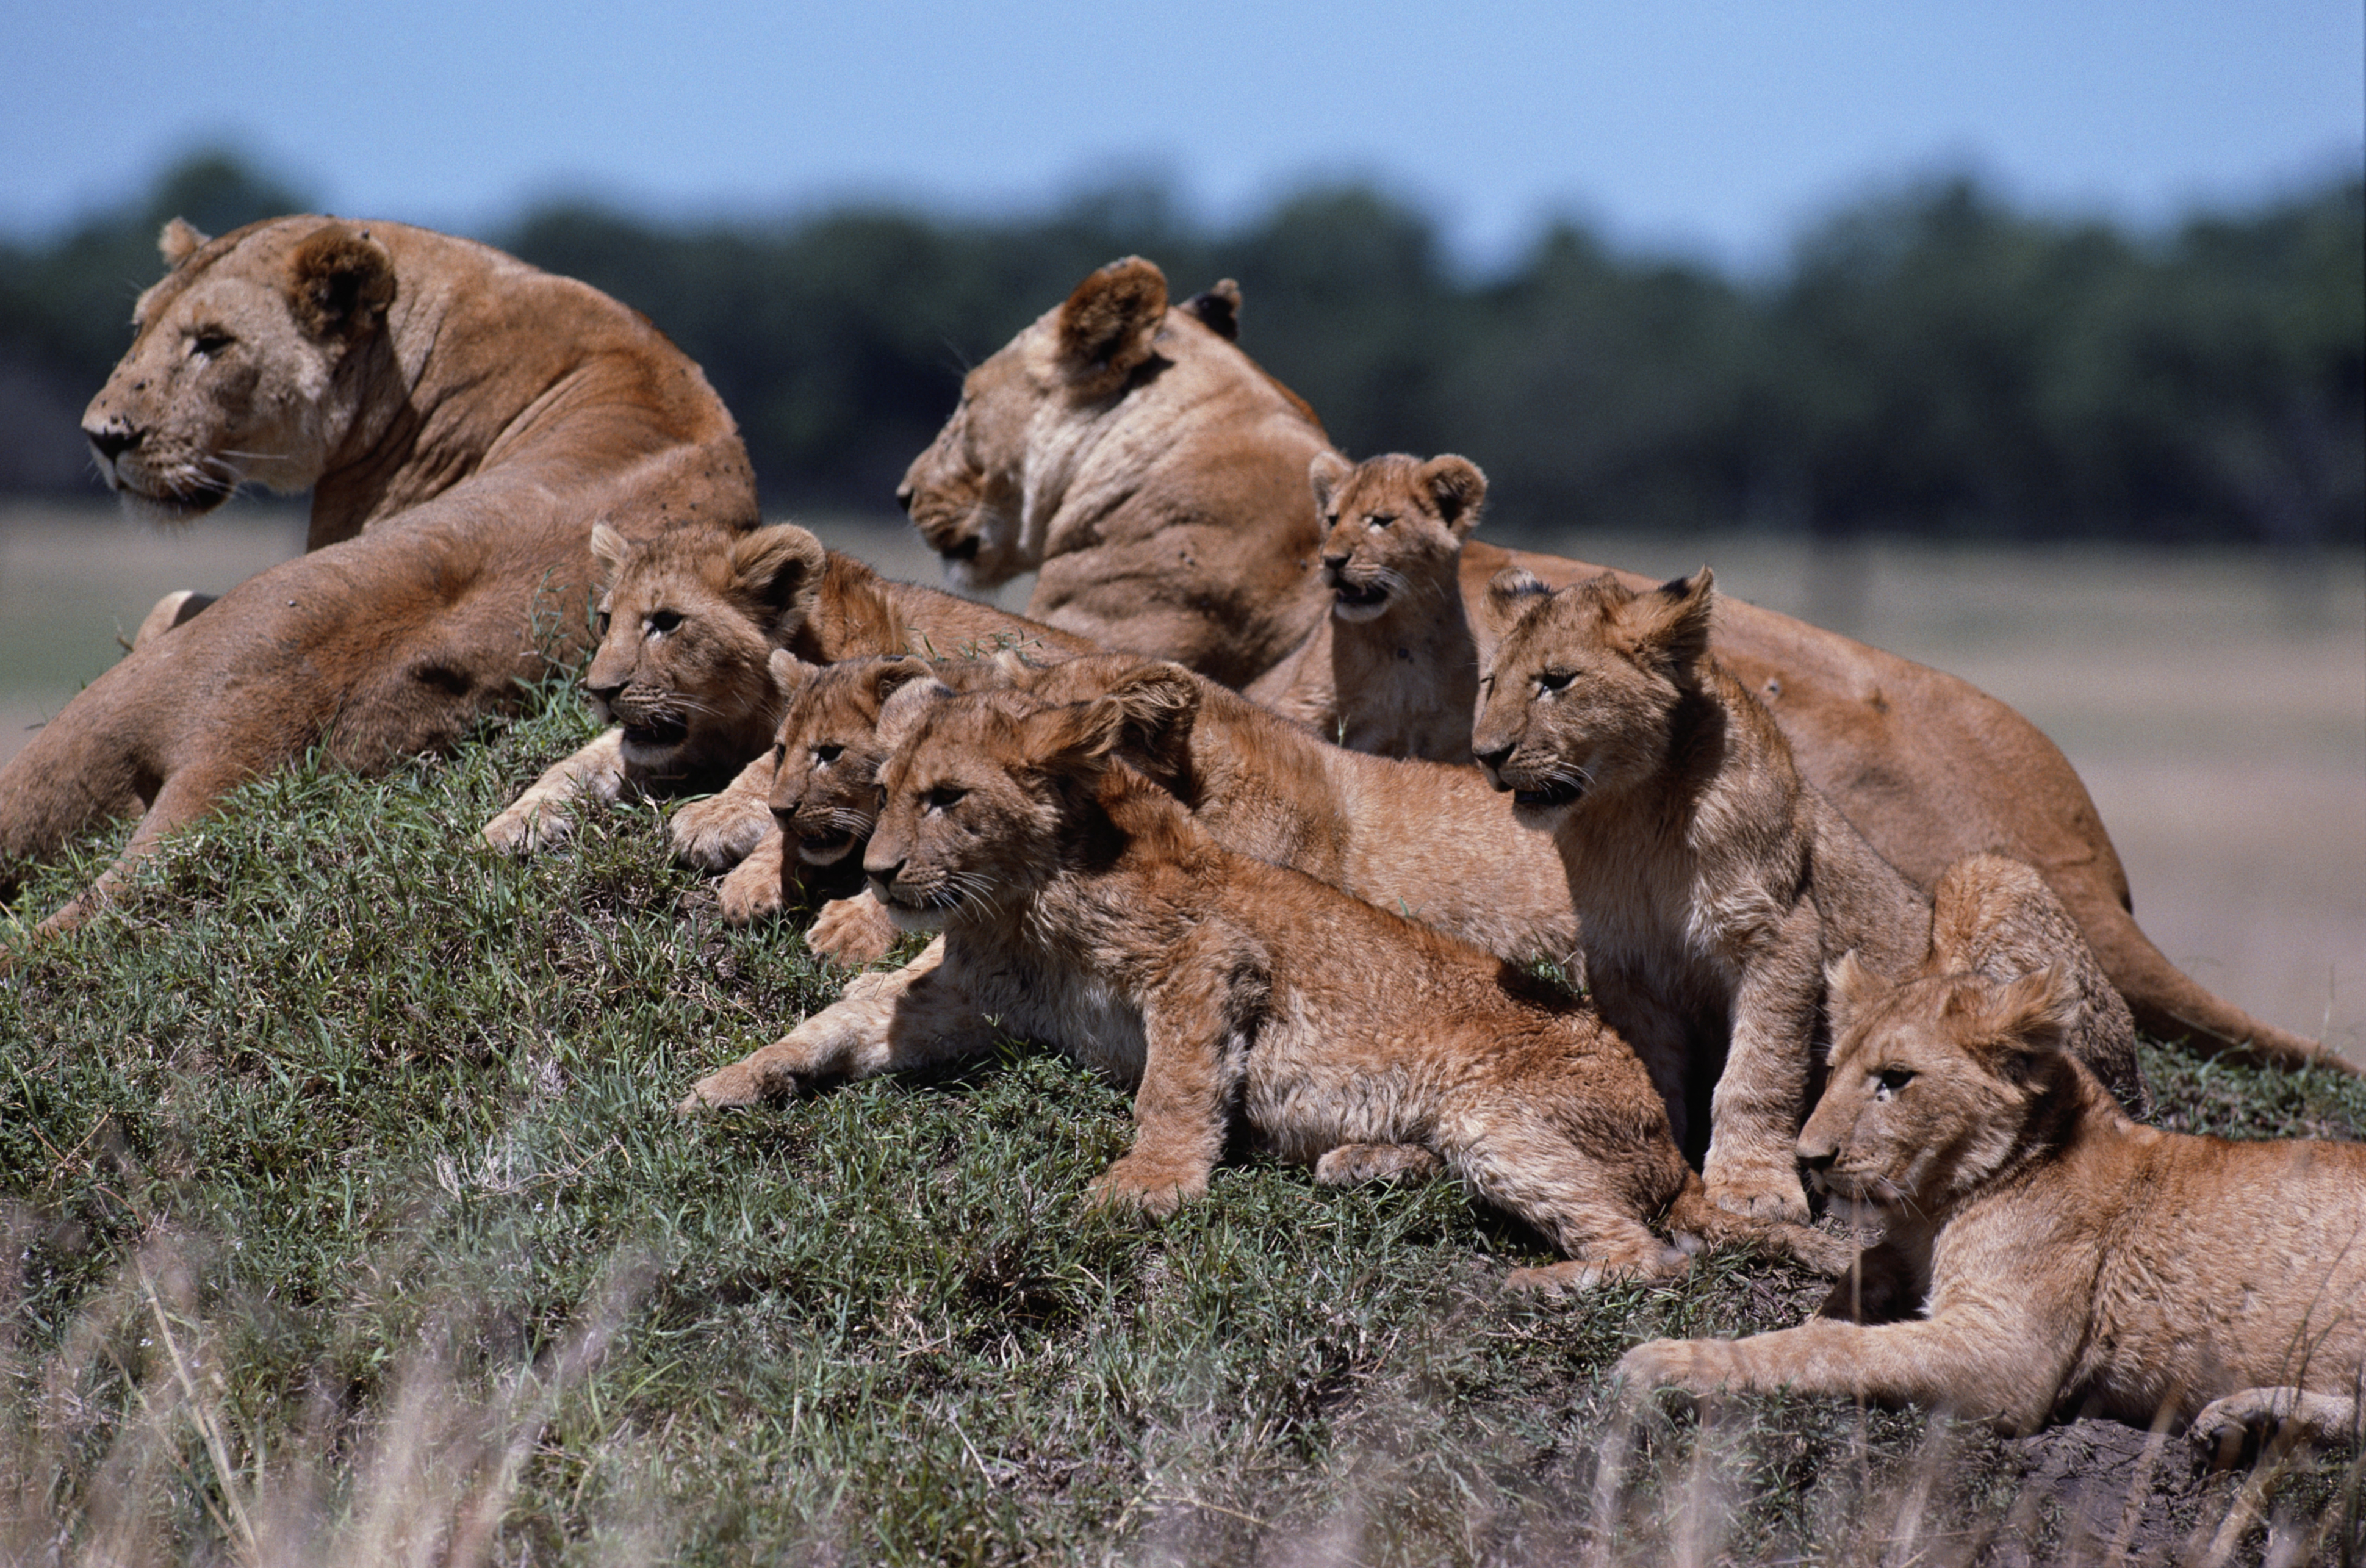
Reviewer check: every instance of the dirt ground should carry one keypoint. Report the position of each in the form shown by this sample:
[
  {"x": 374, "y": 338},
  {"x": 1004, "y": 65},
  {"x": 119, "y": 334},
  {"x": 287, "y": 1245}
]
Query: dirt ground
[{"x": 2214, "y": 701}]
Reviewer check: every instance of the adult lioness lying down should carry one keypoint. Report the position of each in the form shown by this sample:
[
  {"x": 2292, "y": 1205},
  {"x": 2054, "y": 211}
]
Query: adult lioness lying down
[
  {"x": 462, "y": 420},
  {"x": 1155, "y": 478}
]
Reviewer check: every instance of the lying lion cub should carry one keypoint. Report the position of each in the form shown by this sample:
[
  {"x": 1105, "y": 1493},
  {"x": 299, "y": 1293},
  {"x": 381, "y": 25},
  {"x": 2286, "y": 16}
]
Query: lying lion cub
[
  {"x": 1082, "y": 907},
  {"x": 1393, "y": 669},
  {"x": 2070, "y": 1260},
  {"x": 1712, "y": 884}
]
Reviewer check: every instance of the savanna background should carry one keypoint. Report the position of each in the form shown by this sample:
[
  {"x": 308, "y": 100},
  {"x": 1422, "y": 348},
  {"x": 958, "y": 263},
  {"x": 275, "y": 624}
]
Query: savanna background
[{"x": 344, "y": 1215}]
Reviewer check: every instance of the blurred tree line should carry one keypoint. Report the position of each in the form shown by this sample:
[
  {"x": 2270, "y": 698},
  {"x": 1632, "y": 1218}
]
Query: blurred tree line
[{"x": 1929, "y": 362}]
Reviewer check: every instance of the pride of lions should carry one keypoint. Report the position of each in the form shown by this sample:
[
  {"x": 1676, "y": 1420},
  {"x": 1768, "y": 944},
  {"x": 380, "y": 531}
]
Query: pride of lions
[{"x": 1653, "y": 916}]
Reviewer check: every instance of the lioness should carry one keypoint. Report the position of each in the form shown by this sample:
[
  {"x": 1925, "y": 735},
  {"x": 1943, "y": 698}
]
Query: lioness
[
  {"x": 1394, "y": 669},
  {"x": 1711, "y": 884},
  {"x": 1153, "y": 474},
  {"x": 688, "y": 621},
  {"x": 1082, "y": 907},
  {"x": 2063, "y": 1258},
  {"x": 461, "y": 420}
]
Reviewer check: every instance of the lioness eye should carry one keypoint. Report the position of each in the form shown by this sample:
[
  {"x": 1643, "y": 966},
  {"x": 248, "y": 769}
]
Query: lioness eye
[
  {"x": 1891, "y": 1079},
  {"x": 1553, "y": 680},
  {"x": 662, "y": 621},
  {"x": 944, "y": 795},
  {"x": 825, "y": 755}
]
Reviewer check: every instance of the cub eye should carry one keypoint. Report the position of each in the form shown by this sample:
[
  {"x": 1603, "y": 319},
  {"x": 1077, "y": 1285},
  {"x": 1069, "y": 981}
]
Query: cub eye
[
  {"x": 210, "y": 343},
  {"x": 600, "y": 623},
  {"x": 663, "y": 621},
  {"x": 1889, "y": 1080},
  {"x": 825, "y": 755},
  {"x": 1378, "y": 521},
  {"x": 945, "y": 795},
  {"x": 1554, "y": 679},
  {"x": 780, "y": 750}
]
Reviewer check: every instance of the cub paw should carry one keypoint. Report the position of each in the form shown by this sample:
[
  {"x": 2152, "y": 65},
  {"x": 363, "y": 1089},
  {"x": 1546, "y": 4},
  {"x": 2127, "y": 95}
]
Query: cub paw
[
  {"x": 528, "y": 826},
  {"x": 751, "y": 890},
  {"x": 1151, "y": 1189},
  {"x": 1757, "y": 1193},
  {"x": 718, "y": 832},
  {"x": 852, "y": 931},
  {"x": 1352, "y": 1164},
  {"x": 1657, "y": 1364},
  {"x": 1556, "y": 1280}
]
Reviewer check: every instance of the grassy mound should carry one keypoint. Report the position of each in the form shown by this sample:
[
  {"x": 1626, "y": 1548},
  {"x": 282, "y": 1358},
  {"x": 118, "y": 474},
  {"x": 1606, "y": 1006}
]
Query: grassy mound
[{"x": 348, "y": 1220}]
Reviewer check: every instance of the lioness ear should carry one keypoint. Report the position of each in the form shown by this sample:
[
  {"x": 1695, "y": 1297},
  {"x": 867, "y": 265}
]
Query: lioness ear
[
  {"x": 1077, "y": 738},
  {"x": 1107, "y": 325},
  {"x": 779, "y": 566},
  {"x": 340, "y": 282},
  {"x": 1456, "y": 488},
  {"x": 904, "y": 710},
  {"x": 1219, "y": 309},
  {"x": 609, "y": 548},
  {"x": 1672, "y": 621},
  {"x": 1326, "y": 474},
  {"x": 179, "y": 240}
]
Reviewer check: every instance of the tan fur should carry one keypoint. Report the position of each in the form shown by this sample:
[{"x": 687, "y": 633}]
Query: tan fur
[
  {"x": 1082, "y": 907},
  {"x": 1394, "y": 669},
  {"x": 1175, "y": 521},
  {"x": 1712, "y": 885},
  {"x": 2064, "y": 1260},
  {"x": 461, "y": 420},
  {"x": 1131, "y": 451},
  {"x": 1420, "y": 839},
  {"x": 689, "y": 622}
]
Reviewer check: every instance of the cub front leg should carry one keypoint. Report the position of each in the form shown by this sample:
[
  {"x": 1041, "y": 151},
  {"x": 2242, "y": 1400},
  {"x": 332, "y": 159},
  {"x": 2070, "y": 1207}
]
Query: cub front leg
[
  {"x": 1193, "y": 1030},
  {"x": 1761, "y": 1097},
  {"x": 888, "y": 1020},
  {"x": 753, "y": 888},
  {"x": 538, "y": 819},
  {"x": 720, "y": 832},
  {"x": 1989, "y": 1372}
]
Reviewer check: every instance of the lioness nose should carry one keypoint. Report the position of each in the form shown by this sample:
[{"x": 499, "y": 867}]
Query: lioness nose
[{"x": 112, "y": 439}]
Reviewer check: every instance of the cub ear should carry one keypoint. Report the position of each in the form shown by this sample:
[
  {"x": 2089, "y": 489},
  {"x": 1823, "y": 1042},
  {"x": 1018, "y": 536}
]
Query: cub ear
[
  {"x": 340, "y": 282},
  {"x": 1849, "y": 989},
  {"x": 1672, "y": 620},
  {"x": 1456, "y": 487},
  {"x": 894, "y": 673},
  {"x": 1107, "y": 325},
  {"x": 2030, "y": 1018},
  {"x": 609, "y": 548},
  {"x": 788, "y": 671},
  {"x": 901, "y": 712},
  {"x": 1326, "y": 474},
  {"x": 1077, "y": 738},
  {"x": 1511, "y": 594},
  {"x": 179, "y": 240},
  {"x": 1219, "y": 309},
  {"x": 779, "y": 566}
]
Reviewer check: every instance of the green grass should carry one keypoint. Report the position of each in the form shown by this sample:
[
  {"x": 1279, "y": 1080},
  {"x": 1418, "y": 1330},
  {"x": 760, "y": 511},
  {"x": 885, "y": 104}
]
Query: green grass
[{"x": 348, "y": 1220}]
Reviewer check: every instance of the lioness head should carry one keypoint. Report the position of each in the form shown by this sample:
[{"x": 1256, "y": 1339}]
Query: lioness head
[
  {"x": 973, "y": 494},
  {"x": 827, "y": 759},
  {"x": 981, "y": 800},
  {"x": 247, "y": 363},
  {"x": 1393, "y": 528},
  {"x": 1931, "y": 1084},
  {"x": 687, "y": 625},
  {"x": 1581, "y": 697}
]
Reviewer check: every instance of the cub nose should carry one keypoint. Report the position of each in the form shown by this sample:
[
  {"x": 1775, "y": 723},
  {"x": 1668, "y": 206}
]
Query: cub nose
[
  {"x": 881, "y": 877},
  {"x": 111, "y": 439},
  {"x": 1817, "y": 1160},
  {"x": 1493, "y": 763},
  {"x": 1335, "y": 564},
  {"x": 903, "y": 497},
  {"x": 604, "y": 696}
]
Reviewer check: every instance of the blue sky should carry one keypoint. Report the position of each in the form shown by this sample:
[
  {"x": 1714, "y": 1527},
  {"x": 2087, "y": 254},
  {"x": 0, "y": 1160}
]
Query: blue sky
[{"x": 1711, "y": 129}]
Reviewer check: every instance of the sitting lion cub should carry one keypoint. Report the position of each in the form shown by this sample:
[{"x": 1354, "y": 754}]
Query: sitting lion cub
[
  {"x": 2068, "y": 1258},
  {"x": 1393, "y": 668},
  {"x": 1081, "y": 906}
]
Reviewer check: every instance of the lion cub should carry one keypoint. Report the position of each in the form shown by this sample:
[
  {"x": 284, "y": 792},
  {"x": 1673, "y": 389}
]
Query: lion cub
[
  {"x": 2070, "y": 1260},
  {"x": 1393, "y": 669},
  {"x": 1712, "y": 884},
  {"x": 1082, "y": 907}
]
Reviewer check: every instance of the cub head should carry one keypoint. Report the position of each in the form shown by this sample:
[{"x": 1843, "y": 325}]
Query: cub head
[
  {"x": 984, "y": 798},
  {"x": 1393, "y": 528},
  {"x": 1931, "y": 1084},
  {"x": 830, "y": 746},
  {"x": 1581, "y": 696},
  {"x": 247, "y": 362},
  {"x": 973, "y": 493},
  {"x": 687, "y": 625}
]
